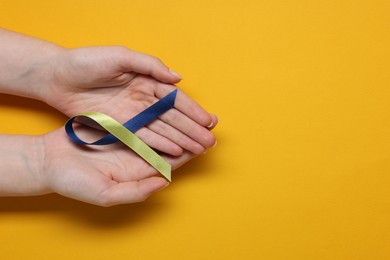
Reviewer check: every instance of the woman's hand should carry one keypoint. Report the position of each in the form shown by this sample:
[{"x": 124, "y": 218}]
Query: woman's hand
[
  {"x": 121, "y": 83},
  {"x": 102, "y": 175}
]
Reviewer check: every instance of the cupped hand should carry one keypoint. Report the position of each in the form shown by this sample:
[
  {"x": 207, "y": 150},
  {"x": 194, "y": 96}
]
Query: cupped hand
[
  {"x": 121, "y": 83},
  {"x": 100, "y": 175}
]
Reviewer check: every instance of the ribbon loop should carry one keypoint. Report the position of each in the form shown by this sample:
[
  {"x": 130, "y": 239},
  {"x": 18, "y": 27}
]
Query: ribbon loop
[{"x": 125, "y": 132}]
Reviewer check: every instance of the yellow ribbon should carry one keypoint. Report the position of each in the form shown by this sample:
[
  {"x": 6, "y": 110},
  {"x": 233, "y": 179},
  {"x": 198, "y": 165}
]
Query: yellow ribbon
[{"x": 131, "y": 140}]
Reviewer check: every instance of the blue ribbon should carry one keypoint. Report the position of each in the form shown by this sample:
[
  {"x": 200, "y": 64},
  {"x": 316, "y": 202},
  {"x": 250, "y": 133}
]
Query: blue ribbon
[{"x": 134, "y": 124}]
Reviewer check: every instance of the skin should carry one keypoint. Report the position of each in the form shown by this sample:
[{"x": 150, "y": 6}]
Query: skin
[
  {"x": 114, "y": 80},
  {"x": 100, "y": 175}
]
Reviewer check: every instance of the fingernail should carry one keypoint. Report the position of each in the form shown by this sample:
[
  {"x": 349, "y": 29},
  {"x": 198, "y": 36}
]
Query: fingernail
[
  {"x": 174, "y": 73},
  {"x": 213, "y": 122},
  {"x": 215, "y": 144}
]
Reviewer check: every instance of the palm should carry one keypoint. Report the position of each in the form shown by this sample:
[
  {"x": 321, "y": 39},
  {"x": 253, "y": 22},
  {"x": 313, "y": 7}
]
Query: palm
[
  {"x": 103, "y": 79},
  {"x": 121, "y": 102},
  {"x": 96, "y": 174}
]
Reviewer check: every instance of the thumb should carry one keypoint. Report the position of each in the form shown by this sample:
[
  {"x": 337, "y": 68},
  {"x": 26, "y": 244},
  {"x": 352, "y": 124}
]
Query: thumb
[
  {"x": 131, "y": 192},
  {"x": 148, "y": 65}
]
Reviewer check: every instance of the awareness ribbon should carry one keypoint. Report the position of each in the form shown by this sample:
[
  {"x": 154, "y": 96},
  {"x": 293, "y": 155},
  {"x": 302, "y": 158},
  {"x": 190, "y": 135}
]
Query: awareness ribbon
[{"x": 125, "y": 132}]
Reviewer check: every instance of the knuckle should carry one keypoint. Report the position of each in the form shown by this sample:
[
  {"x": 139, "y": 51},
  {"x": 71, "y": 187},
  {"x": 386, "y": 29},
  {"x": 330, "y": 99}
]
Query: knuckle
[
  {"x": 155, "y": 59},
  {"x": 105, "y": 200},
  {"x": 121, "y": 49},
  {"x": 173, "y": 117},
  {"x": 140, "y": 195}
]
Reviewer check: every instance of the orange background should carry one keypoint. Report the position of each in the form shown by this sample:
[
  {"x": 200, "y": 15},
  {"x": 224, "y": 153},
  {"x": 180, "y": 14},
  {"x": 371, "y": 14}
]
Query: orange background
[{"x": 302, "y": 168}]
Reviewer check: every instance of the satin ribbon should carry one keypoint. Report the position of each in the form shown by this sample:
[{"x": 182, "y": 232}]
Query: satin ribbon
[{"x": 125, "y": 132}]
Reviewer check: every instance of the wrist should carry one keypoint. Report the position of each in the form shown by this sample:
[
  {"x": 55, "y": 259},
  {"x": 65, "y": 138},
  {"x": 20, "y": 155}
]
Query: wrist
[
  {"x": 27, "y": 63},
  {"x": 39, "y": 77},
  {"x": 39, "y": 165},
  {"x": 22, "y": 164}
]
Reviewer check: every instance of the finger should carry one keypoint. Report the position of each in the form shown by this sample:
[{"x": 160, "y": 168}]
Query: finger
[
  {"x": 159, "y": 142},
  {"x": 189, "y": 127},
  {"x": 148, "y": 65},
  {"x": 177, "y": 162},
  {"x": 131, "y": 192},
  {"x": 213, "y": 123},
  {"x": 171, "y": 133},
  {"x": 151, "y": 138},
  {"x": 186, "y": 105}
]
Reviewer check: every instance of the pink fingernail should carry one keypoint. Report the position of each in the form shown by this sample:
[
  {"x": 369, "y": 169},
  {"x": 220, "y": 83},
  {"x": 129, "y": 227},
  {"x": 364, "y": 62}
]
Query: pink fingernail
[{"x": 213, "y": 122}]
